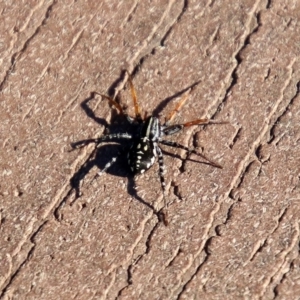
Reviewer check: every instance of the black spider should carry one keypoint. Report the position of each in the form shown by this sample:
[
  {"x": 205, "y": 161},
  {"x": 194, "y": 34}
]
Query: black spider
[{"x": 145, "y": 144}]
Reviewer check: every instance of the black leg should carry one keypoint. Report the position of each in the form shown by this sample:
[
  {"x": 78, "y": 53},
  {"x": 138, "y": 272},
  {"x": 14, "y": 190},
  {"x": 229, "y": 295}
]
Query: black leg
[
  {"x": 115, "y": 136},
  {"x": 172, "y": 129},
  {"x": 161, "y": 167},
  {"x": 109, "y": 164},
  {"x": 162, "y": 213},
  {"x": 169, "y": 130}
]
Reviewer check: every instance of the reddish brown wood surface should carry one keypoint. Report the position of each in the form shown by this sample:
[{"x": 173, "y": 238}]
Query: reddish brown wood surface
[{"x": 233, "y": 233}]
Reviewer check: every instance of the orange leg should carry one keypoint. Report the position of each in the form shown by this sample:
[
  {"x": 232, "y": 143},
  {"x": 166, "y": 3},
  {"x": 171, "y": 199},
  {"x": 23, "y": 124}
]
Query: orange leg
[
  {"x": 196, "y": 122},
  {"x": 113, "y": 103},
  {"x": 202, "y": 122},
  {"x": 134, "y": 98},
  {"x": 176, "y": 110}
]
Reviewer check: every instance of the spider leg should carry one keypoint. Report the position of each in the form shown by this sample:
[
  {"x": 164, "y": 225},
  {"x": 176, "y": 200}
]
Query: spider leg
[
  {"x": 161, "y": 167},
  {"x": 177, "y": 145},
  {"x": 169, "y": 130},
  {"x": 114, "y": 136},
  {"x": 118, "y": 107},
  {"x": 176, "y": 110},
  {"x": 203, "y": 122},
  {"x": 111, "y": 162},
  {"x": 108, "y": 165},
  {"x": 134, "y": 98},
  {"x": 145, "y": 115},
  {"x": 196, "y": 122},
  {"x": 162, "y": 213},
  {"x": 112, "y": 102}
]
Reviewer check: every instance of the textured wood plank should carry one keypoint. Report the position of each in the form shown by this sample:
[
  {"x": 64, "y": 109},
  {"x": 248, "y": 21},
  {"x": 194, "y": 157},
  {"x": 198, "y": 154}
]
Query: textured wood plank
[{"x": 233, "y": 232}]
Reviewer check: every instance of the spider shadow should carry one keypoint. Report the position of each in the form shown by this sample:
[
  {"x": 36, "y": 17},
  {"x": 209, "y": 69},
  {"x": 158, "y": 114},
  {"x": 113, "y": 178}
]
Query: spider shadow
[
  {"x": 184, "y": 160},
  {"x": 90, "y": 113},
  {"x": 99, "y": 158},
  {"x": 164, "y": 103}
]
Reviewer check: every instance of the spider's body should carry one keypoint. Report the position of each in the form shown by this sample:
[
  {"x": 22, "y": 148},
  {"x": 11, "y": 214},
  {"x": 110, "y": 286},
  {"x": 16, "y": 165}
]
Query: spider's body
[
  {"x": 142, "y": 153},
  {"x": 145, "y": 145}
]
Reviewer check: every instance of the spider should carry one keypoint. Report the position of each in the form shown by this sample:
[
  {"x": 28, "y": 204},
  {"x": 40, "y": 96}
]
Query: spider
[{"x": 145, "y": 143}]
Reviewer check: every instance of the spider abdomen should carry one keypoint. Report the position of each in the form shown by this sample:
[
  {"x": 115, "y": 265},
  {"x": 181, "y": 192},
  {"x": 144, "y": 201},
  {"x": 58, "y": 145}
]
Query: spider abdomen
[{"x": 141, "y": 155}]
